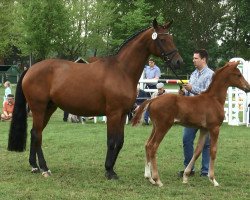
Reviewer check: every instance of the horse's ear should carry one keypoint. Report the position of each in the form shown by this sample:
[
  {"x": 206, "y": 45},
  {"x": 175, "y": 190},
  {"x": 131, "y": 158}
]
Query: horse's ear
[
  {"x": 155, "y": 23},
  {"x": 169, "y": 24}
]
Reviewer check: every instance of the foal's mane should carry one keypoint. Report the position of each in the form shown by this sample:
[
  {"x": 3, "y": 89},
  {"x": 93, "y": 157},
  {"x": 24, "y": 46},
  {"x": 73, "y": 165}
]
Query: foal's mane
[{"x": 215, "y": 75}]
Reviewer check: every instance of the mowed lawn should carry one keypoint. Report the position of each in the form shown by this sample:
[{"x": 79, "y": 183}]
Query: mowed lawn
[{"x": 75, "y": 154}]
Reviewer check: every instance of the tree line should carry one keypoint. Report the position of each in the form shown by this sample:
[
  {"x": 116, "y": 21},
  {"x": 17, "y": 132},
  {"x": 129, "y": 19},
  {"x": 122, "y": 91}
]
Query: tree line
[{"x": 67, "y": 29}]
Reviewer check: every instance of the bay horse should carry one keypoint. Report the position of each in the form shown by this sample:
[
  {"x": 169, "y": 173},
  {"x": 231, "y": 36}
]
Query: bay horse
[
  {"x": 104, "y": 87},
  {"x": 204, "y": 111}
]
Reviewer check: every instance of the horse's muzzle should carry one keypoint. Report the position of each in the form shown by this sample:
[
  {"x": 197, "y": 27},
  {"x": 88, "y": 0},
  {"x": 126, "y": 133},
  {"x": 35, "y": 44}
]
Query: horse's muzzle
[{"x": 177, "y": 63}]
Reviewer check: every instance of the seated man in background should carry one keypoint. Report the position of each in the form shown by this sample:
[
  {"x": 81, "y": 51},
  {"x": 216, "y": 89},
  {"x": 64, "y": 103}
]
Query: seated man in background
[
  {"x": 160, "y": 91},
  {"x": 8, "y": 108}
]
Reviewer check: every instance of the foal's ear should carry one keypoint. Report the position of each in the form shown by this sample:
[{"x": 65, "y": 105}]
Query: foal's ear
[{"x": 233, "y": 63}]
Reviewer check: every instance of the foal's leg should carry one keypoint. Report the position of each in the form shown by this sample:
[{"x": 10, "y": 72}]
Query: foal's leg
[
  {"x": 147, "y": 173},
  {"x": 161, "y": 128},
  {"x": 197, "y": 152},
  {"x": 214, "y": 133},
  {"x": 115, "y": 139}
]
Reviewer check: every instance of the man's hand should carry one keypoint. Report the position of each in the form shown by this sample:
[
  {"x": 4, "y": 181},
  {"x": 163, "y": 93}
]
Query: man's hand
[
  {"x": 187, "y": 86},
  {"x": 181, "y": 92}
]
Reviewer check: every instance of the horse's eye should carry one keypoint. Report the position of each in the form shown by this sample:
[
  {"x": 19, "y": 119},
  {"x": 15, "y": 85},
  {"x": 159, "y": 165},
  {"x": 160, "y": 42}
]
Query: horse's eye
[
  {"x": 162, "y": 40},
  {"x": 239, "y": 75}
]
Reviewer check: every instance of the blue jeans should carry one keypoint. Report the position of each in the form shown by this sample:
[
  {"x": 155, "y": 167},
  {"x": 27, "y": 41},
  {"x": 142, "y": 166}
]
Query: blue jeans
[
  {"x": 188, "y": 148},
  {"x": 146, "y": 116}
]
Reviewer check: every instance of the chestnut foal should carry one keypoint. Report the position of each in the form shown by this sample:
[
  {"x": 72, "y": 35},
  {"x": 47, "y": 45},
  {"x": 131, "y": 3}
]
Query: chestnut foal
[{"x": 204, "y": 111}]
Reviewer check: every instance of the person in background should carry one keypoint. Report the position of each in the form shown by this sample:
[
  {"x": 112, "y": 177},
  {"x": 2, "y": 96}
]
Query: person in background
[
  {"x": 199, "y": 81},
  {"x": 7, "y": 90},
  {"x": 151, "y": 71},
  {"x": 160, "y": 91},
  {"x": 8, "y": 108}
]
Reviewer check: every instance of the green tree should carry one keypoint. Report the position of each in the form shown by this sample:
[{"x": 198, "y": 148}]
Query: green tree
[
  {"x": 235, "y": 30},
  {"x": 44, "y": 26},
  {"x": 6, "y": 27},
  {"x": 135, "y": 17}
]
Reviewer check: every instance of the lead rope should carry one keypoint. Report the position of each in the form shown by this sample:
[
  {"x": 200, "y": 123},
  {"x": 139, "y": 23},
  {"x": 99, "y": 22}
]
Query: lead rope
[{"x": 168, "y": 64}]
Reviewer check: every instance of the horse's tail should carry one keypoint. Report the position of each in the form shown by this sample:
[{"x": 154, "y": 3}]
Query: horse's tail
[
  {"x": 18, "y": 126},
  {"x": 137, "y": 117}
]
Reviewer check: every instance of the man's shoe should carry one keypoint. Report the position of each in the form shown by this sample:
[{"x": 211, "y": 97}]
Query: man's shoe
[
  {"x": 180, "y": 173},
  {"x": 204, "y": 174}
]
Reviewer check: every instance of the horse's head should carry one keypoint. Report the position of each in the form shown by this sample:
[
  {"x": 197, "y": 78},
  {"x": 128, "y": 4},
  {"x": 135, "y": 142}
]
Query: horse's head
[
  {"x": 163, "y": 45},
  {"x": 236, "y": 79}
]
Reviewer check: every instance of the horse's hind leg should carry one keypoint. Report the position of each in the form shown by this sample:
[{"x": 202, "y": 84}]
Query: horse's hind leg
[
  {"x": 39, "y": 122},
  {"x": 213, "y": 150},
  {"x": 32, "y": 157},
  {"x": 197, "y": 152}
]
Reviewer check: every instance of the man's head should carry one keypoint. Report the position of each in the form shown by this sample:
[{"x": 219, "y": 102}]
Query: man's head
[
  {"x": 10, "y": 98},
  {"x": 200, "y": 58},
  {"x": 160, "y": 88},
  {"x": 151, "y": 62}
]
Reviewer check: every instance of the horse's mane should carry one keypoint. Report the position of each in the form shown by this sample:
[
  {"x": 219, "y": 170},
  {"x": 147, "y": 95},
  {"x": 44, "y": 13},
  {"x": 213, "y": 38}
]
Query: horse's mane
[
  {"x": 216, "y": 73},
  {"x": 131, "y": 38},
  {"x": 118, "y": 49}
]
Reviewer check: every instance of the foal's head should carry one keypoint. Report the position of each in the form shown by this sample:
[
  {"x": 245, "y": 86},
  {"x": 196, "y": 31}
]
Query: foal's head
[
  {"x": 163, "y": 45},
  {"x": 235, "y": 77}
]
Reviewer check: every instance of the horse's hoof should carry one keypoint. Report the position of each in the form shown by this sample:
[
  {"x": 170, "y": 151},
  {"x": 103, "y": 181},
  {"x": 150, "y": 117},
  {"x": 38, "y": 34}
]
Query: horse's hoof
[
  {"x": 111, "y": 175},
  {"x": 47, "y": 173},
  {"x": 35, "y": 170}
]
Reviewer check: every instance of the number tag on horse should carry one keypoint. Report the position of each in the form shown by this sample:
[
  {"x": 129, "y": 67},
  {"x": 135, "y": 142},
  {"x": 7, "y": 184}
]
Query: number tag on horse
[{"x": 154, "y": 35}]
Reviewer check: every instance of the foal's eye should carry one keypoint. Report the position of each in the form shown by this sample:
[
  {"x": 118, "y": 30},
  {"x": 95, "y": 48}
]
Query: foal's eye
[
  {"x": 239, "y": 75},
  {"x": 162, "y": 40}
]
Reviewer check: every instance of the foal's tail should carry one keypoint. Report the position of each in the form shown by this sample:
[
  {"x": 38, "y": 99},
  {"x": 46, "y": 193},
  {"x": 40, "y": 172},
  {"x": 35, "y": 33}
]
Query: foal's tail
[
  {"x": 137, "y": 117},
  {"x": 18, "y": 126}
]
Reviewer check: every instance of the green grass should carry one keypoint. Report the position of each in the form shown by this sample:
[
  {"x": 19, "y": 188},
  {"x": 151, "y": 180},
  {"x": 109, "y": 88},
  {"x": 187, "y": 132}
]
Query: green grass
[{"x": 75, "y": 153}]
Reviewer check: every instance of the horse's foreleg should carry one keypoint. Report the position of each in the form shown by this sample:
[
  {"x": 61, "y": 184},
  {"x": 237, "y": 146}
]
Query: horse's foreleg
[
  {"x": 214, "y": 134},
  {"x": 197, "y": 152},
  {"x": 115, "y": 139}
]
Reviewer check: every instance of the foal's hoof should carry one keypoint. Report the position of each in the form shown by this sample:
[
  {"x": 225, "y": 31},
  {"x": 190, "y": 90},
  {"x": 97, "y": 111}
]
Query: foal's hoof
[
  {"x": 35, "y": 170},
  {"x": 156, "y": 183},
  {"x": 47, "y": 173},
  {"x": 185, "y": 179},
  {"x": 215, "y": 183},
  {"x": 111, "y": 175},
  {"x": 159, "y": 183}
]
